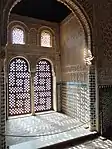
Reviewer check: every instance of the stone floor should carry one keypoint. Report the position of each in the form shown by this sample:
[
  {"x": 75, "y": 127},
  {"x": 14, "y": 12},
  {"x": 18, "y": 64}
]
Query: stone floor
[
  {"x": 99, "y": 143},
  {"x": 45, "y": 129}
]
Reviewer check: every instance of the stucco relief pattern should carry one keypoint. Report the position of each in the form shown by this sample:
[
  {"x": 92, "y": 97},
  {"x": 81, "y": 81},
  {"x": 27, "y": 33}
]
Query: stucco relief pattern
[
  {"x": 72, "y": 41},
  {"x": 76, "y": 73},
  {"x": 104, "y": 41},
  {"x": 105, "y": 75},
  {"x": 72, "y": 50},
  {"x": 107, "y": 38},
  {"x": 33, "y": 36}
]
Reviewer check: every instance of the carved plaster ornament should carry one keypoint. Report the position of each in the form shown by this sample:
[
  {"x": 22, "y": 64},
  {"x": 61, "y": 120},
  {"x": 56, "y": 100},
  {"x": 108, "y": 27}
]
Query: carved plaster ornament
[{"x": 88, "y": 58}]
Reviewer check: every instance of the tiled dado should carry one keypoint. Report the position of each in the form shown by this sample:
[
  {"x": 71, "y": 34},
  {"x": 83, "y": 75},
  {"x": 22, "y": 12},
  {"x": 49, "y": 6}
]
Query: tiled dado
[
  {"x": 75, "y": 100},
  {"x": 92, "y": 96},
  {"x": 2, "y": 111},
  {"x": 105, "y": 102}
]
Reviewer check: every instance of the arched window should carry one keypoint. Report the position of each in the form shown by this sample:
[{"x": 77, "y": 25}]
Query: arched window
[
  {"x": 43, "y": 87},
  {"x": 46, "y": 39},
  {"x": 18, "y": 36},
  {"x": 19, "y": 88}
]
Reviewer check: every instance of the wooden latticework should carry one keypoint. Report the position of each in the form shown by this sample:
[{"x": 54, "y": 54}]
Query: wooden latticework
[
  {"x": 43, "y": 87},
  {"x": 19, "y": 88}
]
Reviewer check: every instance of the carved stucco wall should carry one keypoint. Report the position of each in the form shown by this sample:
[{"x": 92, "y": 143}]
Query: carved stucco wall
[
  {"x": 104, "y": 41},
  {"x": 75, "y": 74},
  {"x": 103, "y": 44},
  {"x": 73, "y": 46}
]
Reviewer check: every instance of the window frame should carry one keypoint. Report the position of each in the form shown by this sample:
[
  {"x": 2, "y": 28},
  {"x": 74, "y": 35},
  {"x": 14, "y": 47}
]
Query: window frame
[
  {"x": 51, "y": 38},
  {"x": 24, "y": 37},
  {"x": 37, "y": 72},
  {"x": 28, "y": 70}
]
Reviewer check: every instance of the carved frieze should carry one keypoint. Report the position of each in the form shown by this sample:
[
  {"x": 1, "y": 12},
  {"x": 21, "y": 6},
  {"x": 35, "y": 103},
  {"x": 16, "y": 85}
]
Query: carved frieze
[
  {"x": 105, "y": 75},
  {"x": 76, "y": 73},
  {"x": 75, "y": 68}
]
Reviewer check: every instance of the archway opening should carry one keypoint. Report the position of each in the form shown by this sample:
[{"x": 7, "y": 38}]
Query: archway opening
[{"x": 68, "y": 46}]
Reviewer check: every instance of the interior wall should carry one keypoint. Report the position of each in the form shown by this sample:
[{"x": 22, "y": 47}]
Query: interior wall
[
  {"x": 32, "y": 49},
  {"x": 103, "y": 42},
  {"x": 75, "y": 87}
]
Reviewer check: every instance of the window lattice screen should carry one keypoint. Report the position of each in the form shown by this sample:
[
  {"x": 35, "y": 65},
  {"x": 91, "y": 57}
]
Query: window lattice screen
[
  {"x": 45, "y": 39},
  {"x": 18, "y": 36},
  {"x": 19, "y": 88},
  {"x": 43, "y": 87}
]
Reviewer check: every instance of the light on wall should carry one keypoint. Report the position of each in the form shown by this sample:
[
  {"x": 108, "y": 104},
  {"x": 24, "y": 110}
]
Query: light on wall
[{"x": 88, "y": 57}]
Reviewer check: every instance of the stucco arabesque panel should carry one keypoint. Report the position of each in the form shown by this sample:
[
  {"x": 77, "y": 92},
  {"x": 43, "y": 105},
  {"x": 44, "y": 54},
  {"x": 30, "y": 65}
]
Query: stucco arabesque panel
[{"x": 104, "y": 48}]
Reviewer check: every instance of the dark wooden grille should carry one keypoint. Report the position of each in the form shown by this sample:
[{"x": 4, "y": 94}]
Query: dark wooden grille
[
  {"x": 19, "y": 88},
  {"x": 43, "y": 87}
]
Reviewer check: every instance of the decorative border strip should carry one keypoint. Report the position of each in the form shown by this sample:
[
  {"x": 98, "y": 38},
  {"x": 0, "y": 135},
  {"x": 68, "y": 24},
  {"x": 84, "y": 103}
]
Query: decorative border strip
[{"x": 105, "y": 86}]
